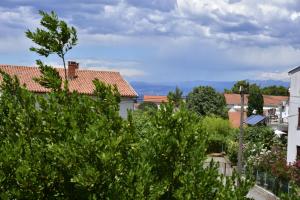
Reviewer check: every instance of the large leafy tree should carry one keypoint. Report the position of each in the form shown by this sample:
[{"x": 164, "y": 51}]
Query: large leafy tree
[
  {"x": 56, "y": 37},
  {"x": 275, "y": 90},
  {"x": 269, "y": 90},
  {"x": 236, "y": 87},
  {"x": 205, "y": 100},
  {"x": 255, "y": 101}
]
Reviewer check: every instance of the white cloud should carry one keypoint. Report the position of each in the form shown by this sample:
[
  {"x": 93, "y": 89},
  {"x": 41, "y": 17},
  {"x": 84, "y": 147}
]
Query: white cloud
[
  {"x": 279, "y": 76},
  {"x": 127, "y": 72},
  {"x": 295, "y": 16},
  {"x": 126, "y": 68},
  {"x": 258, "y": 33},
  {"x": 269, "y": 57},
  {"x": 17, "y": 20}
]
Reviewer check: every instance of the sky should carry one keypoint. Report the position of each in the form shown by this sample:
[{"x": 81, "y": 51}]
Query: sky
[{"x": 165, "y": 40}]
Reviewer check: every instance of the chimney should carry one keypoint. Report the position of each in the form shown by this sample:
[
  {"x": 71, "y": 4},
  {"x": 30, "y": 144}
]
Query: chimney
[{"x": 72, "y": 66}]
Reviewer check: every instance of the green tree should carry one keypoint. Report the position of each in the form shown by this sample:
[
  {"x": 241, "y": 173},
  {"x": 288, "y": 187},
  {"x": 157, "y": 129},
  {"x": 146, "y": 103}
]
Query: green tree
[
  {"x": 175, "y": 97},
  {"x": 236, "y": 87},
  {"x": 255, "y": 100},
  {"x": 56, "y": 37},
  {"x": 219, "y": 133},
  {"x": 204, "y": 100},
  {"x": 147, "y": 106},
  {"x": 175, "y": 147},
  {"x": 275, "y": 90}
]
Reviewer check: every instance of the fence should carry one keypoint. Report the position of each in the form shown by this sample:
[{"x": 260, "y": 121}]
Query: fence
[
  {"x": 224, "y": 165},
  {"x": 271, "y": 183}
]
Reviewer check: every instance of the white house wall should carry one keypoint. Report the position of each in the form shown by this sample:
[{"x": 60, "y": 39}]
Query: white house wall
[
  {"x": 294, "y": 104},
  {"x": 126, "y": 104}
]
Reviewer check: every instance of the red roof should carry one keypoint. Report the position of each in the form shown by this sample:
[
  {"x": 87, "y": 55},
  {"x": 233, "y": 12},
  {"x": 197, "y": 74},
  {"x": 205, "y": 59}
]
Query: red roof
[
  {"x": 82, "y": 83},
  {"x": 155, "y": 99},
  {"x": 269, "y": 100}
]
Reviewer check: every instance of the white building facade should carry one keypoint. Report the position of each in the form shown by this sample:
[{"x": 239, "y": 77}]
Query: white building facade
[
  {"x": 125, "y": 105},
  {"x": 293, "y": 149}
]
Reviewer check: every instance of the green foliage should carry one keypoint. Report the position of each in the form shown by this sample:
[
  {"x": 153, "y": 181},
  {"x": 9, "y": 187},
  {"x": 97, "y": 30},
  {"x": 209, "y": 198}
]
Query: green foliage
[
  {"x": 64, "y": 145},
  {"x": 147, "y": 106},
  {"x": 204, "y": 100},
  {"x": 236, "y": 87},
  {"x": 56, "y": 37},
  {"x": 275, "y": 90},
  {"x": 232, "y": 151},
  {"x": 294, "y": 193},
  {"x": 260, "y": 134},
  {"x": 219, "y": 133},
  {"x": 221, "y": 137},
  {"x": 269, "y": 90},
  {"x": 70, "y": 146},
  {"x": 50, "y": 78},
  {"x": 175, "y": 97},
  {"x": 255, "y": 101},
  {"x": 258, "y": 141}
]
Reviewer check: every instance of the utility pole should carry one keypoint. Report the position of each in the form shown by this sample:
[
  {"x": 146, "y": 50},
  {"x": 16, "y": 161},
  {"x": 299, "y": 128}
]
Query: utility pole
[{"x": 240, "y": 152}]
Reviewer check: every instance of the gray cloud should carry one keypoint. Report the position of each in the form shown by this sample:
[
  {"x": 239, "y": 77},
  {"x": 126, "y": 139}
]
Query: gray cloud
[
  {"x": 233, "y": 34},
  {"x": 165, "y": 5},
  {"x": 227, "y": 21}
]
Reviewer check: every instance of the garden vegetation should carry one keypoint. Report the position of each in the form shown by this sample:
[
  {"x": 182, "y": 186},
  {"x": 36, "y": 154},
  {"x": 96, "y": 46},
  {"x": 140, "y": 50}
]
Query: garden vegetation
[{"x": 65, "y": 145}]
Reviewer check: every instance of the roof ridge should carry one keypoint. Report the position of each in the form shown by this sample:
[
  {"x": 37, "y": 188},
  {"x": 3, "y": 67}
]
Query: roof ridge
[
  {"x": 60, "y": 68},
  {"x": 83, "y": 83}
]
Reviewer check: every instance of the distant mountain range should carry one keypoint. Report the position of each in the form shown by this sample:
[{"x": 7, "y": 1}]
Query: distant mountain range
[{"x": 144, "y": 88}]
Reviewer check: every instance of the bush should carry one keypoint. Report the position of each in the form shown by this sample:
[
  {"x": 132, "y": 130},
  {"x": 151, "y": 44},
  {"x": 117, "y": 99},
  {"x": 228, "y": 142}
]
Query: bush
[
  {"x": 147, "y": 106},
  {"x": 70, "y": 146},
  {"x": 219, "y": 133}
]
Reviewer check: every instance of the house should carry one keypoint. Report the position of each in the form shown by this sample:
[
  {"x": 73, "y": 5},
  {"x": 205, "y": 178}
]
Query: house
[
  {"x": 158, "y": 100},
  {"x": 80, "y": 80},
  {"x": 155, "y": 99},
  {"x": 293, "y": 149},
  {"x": 275, "y": 109}
]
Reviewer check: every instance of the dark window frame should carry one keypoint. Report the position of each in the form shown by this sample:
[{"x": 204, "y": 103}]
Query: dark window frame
[{"x": 298, "y": 126}]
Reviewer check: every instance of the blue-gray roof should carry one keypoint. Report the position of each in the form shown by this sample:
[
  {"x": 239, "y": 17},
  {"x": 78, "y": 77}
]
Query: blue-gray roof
[
  {"x": 254, "y": 119},
  {"x": 296, "y": 69}
]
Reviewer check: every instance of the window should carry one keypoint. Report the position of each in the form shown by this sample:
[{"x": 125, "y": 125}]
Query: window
[
  {"x": 298, "y": 118},
  {"x": 298, "y": 153}
]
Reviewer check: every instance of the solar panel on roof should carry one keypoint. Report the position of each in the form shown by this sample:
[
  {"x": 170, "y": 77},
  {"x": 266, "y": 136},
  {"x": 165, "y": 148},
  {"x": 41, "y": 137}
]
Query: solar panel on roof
[{"x": 254, "y": 119}]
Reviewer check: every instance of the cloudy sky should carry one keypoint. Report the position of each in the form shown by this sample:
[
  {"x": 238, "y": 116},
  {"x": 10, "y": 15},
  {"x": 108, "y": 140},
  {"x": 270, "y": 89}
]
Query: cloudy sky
[{"x": 166, "y": 40}]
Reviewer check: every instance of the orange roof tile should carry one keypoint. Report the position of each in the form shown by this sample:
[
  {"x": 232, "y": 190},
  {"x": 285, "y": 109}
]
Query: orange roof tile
[
  {"x": 234, "y": 99},
  {"x": 155, "y": 99},
  {"x": 82, "y": 83},
  {"x": 269, "y": 100}
]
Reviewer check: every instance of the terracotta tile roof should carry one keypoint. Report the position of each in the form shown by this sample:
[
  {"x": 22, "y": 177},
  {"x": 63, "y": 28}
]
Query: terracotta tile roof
[
  {"x": 235, "y": 118},
  {"x": 155, "y": 99},
  {"x": 269, "y": 100},
  {"x": 82, "y": 83},
  {"x": 234, "y": 99}
]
